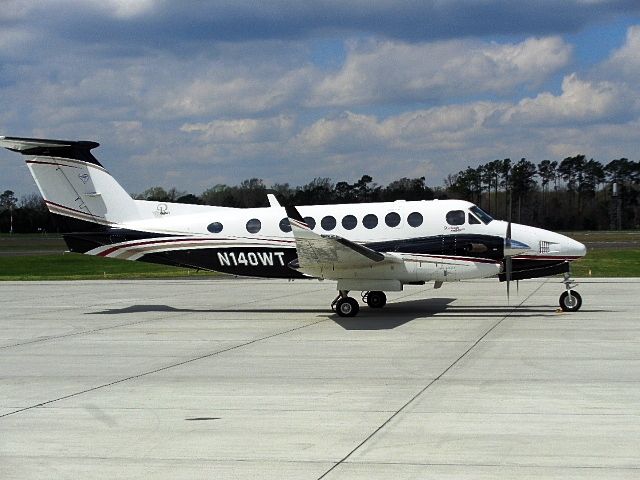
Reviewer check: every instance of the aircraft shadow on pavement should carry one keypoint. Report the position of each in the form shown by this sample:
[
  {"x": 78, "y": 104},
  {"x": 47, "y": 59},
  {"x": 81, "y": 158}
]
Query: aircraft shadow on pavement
[{"x": 393, "y": 315}]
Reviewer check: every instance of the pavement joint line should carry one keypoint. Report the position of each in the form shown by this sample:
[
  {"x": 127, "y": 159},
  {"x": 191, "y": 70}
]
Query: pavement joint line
[
  {"x": 166, "y": 367},
  {"x": 432, "y": 382},
  {"x": 128, "y": 324},
  {"x": 502, "y": 465}
]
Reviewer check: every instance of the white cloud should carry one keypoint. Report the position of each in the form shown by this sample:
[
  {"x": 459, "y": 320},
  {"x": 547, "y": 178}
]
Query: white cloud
[
  {"x": 625, "y": 61},
  {"x": 390, "y": 71},
  {"x": 119, "y": 9},
  {"x": 242, "y": 131},
  {"x": 580, "y": 102}
]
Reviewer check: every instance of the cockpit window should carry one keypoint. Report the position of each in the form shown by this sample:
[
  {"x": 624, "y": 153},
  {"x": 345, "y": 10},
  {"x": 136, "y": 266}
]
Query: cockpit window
[
  {"x": 455, "y": 217},
  {"x": 481, "y": 214},
  {"x": 473, "y": 220}
]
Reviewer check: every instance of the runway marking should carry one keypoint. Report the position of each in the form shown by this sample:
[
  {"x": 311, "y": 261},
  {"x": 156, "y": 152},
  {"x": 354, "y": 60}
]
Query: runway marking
[{"x": 432, "y": 382}]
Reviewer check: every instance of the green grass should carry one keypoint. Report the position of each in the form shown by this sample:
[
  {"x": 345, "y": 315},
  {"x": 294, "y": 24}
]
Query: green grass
[
  {"x": 606, "y": 262},
  {"x": 36, "y": 243},
  {"x": 85, "y": 267}
]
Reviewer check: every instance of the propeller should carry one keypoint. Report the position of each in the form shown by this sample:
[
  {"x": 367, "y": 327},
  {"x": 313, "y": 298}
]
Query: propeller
[{"x": 508, "y": 266}]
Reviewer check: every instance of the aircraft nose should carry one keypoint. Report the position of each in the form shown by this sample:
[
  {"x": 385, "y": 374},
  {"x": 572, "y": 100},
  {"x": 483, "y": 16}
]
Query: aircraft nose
[{"x": 573, "y": 248}]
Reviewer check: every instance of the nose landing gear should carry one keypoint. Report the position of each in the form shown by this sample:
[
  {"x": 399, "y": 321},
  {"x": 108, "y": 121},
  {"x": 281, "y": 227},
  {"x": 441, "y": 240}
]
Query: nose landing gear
[{"x": 570, "y": 301}]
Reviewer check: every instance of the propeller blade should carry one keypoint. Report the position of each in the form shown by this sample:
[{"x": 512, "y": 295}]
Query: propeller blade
[{"x": 508, "y": 269}]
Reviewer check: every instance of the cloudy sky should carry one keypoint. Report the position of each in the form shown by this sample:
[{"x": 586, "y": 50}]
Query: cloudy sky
[{"x": 195, "y": 93}]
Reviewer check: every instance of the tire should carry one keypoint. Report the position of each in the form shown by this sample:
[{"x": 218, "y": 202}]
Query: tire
[
  {"x": 347, "y": 307},
  {"x": 565, "y": 303},
  {"x": 376, "y": 299}
]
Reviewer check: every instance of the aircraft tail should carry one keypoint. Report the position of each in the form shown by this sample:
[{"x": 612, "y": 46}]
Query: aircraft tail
[{"x": 72, "y": 181}]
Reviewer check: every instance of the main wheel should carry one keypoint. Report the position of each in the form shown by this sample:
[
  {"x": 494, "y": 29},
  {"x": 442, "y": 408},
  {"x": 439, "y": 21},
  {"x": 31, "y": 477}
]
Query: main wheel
[
  {"x": 570, "y": 303},
  {"x": 376, "y": 299},
  {"x": 347, "y": 307}
]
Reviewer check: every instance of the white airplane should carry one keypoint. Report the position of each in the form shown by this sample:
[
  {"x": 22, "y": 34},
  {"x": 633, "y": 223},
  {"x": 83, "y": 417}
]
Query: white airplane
[{"x": 367, "y": 247}]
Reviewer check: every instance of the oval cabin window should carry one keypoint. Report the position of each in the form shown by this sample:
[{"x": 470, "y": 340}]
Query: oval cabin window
[
  {"x": 349, "y": 222},
  {"x": 284, "y": 225},
  {"x": 254, "y": 225},
  {"x": 370, "y": 221},
  {"x": 215, "y": 227},
  {"x": 328, "y": 223},
  {"x": 414, "y": 219},
  {"x": 310, "y": 221},
  {"x": 392, "y": 219}
]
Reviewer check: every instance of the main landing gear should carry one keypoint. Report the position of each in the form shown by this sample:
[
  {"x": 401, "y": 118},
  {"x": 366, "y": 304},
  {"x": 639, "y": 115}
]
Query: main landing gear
[
  {"x": 347, "y": 306},
  {"x": 570, "y": 301}
]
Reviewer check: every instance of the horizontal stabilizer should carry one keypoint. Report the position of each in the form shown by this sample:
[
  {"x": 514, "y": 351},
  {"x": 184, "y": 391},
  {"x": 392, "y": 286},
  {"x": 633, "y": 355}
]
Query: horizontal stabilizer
[{"x": 40, "y": 147}]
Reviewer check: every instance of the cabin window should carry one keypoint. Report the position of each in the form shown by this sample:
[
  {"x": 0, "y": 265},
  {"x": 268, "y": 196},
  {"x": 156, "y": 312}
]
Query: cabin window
[
  {"x": 254, "y": 225},
  {"x": 215, "y": 227},
  {"x": 455, "y": 217},
  {"x": 328, "y": 223},
  {"x": 349, "y": 222},
  {"x": 392, "y": 219},
  {"x": 414, "y": 219},
  {"x": 370, "y": 221},
  {"x": 285, "y": 226},
  {"x": 310, "y": 221}
]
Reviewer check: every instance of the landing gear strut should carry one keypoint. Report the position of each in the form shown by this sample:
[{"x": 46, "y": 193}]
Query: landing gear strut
[
  {"x": 344, "y": 305},
  {"x": 570, "y": 301}
]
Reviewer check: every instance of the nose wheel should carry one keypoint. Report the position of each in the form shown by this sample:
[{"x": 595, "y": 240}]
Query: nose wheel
[{"x": 570, "y": 300}]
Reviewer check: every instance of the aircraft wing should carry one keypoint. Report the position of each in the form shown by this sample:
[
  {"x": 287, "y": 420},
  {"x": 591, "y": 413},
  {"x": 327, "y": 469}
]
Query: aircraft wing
[{"x": 329, "y": 251}]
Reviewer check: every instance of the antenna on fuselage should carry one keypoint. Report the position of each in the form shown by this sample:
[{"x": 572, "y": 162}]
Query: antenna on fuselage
[{"x": 273, "y": 201}]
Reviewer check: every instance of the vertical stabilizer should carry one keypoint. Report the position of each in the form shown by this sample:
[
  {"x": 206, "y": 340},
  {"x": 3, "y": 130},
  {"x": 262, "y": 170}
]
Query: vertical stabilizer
[{"x": 72, "y": 181}]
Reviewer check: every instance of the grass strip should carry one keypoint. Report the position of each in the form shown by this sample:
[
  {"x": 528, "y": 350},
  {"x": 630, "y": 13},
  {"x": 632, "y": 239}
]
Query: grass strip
[
  {"x": 608, "y": 263},
  {"x": 85, "y": 267}
]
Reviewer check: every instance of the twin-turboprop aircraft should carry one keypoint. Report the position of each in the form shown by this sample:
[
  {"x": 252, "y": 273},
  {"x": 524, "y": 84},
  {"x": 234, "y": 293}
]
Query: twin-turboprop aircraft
[{"x": 370, "y": 247}]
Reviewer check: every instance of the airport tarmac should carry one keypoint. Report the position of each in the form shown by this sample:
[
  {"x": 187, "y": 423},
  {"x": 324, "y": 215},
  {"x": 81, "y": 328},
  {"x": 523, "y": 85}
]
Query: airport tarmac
[{"x": 230, "y": 378}]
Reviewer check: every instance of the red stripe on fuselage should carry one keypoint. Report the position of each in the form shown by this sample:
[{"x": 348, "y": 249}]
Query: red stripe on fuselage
[{"x": 176, "y": 240}]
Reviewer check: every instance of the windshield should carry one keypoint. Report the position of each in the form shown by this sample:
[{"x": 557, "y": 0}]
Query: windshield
[{"x": 481, "y": 214}]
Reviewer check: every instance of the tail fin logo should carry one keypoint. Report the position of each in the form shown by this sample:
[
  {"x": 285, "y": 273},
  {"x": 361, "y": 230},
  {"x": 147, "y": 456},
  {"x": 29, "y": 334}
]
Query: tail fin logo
[{"x": 163, "y": 209}]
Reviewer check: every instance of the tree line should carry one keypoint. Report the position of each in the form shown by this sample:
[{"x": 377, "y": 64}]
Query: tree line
[{"x": 572, "y": 194}]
